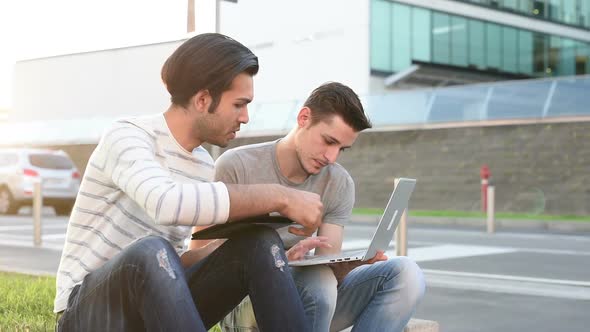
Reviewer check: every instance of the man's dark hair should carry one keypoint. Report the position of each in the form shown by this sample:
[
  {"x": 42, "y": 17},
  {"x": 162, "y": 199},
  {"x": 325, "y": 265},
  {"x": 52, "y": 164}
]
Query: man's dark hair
[
  {"x": 208, "y": 61},
  {"x": 334, "y": 98}
]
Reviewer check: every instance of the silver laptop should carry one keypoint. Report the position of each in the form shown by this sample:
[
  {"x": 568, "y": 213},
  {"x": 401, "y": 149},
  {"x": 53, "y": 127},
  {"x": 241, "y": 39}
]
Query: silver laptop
[{"x": 398, "y": 202}]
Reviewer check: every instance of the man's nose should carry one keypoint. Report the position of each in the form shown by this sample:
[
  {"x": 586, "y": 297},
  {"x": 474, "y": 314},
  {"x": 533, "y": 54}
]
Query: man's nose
[
  {"x": 332, "y": 154},
  {"x": 244, "y": 117}
]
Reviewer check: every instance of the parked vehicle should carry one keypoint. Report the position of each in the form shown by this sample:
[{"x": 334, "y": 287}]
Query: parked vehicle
[{"x": 21, "y": 168}]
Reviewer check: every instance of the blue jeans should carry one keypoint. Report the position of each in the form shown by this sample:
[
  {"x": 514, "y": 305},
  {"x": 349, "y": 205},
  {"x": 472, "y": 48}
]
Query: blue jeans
[
  {"x": 145, "y": 288},
  {"x": 378, "y": 297}
]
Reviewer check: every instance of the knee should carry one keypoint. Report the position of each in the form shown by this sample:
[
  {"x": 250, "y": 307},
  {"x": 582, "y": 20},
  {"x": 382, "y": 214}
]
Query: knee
[
  {"x": 261, "y": 238},
  {"x": 317, "y": 287},
  {"x": 152, "y": 253},
  {"x": 410, "y": 278},
  {"x": 260, "y": 248}
]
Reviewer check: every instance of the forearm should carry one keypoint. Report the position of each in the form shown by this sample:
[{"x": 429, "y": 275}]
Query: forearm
[
  {"x": 254, "y": 200},
  {"x": 193, "y": 256},
  {"x": 334, "y": 234}
]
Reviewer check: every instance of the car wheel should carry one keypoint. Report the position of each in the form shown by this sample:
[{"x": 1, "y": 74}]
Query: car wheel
[
  {"x": 63, "y": 209},
  {"x": 7, "y": 203}
]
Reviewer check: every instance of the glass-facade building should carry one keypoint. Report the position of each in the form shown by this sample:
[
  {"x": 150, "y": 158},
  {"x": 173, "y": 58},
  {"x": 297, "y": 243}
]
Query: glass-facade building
[
  {"x": 402, "y": 34},
  {"x": 570, "y": 12}
]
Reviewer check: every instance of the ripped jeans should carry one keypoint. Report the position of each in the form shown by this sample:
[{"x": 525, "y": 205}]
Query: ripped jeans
[
  {"x": 378, "y": 297},
  {"x": 145, "y": 288}
]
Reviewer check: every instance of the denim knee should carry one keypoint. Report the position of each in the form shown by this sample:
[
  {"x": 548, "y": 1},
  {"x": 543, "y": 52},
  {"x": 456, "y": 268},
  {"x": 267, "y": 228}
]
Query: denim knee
[
  {"x": 317, "y": 287},
  {"x": 410, "y": 276},
  {"x": 153, "y": 252},
  {"x": 257, "y": 240}
]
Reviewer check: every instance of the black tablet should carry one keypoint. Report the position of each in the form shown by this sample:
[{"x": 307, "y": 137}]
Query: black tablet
[{"x": 226, "y": 230}]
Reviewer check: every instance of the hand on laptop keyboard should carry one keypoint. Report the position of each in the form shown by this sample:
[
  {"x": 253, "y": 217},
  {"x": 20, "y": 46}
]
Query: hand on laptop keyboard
[{"x": 299, "y": 250}]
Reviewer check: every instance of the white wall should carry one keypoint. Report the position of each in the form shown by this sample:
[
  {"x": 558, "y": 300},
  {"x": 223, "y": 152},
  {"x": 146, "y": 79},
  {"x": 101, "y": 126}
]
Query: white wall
[
  {"x": 300, "y": 44},
  {"x": 110, "y": 83}
]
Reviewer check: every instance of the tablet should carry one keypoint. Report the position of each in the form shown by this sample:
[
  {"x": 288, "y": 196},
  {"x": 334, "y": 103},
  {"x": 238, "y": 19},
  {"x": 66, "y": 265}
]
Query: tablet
[{"x": 227, "y": 230}]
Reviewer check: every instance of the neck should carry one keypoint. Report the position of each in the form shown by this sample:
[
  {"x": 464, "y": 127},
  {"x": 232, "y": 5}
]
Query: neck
[
  {"x": 181, "y": 125},
  {"x": 288, "y": 161}
]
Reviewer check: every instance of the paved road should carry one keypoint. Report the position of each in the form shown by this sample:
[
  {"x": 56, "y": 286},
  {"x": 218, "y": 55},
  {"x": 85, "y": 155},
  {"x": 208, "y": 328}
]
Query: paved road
[{"x": 476, "y": 282}]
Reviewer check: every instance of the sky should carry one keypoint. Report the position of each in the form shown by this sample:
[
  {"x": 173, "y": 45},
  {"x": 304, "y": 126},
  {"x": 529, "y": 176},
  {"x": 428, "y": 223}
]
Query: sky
[{"x": 39, "y": 28}]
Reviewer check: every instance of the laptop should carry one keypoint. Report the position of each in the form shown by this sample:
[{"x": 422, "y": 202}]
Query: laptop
[
  {"x": 398, "y": 202},
  {"x": 230, "y": 229}
]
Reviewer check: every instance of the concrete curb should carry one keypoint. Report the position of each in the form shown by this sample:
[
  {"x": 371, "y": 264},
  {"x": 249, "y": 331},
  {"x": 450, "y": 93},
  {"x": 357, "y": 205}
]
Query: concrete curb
[
  {"x": 480, "y": 223},
  {"x": 415, "y": 325}
]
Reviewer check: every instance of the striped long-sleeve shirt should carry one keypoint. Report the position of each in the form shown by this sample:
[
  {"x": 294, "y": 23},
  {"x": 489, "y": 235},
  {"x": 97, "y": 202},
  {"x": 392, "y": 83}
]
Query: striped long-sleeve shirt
[{"x": 139, "y": 181}]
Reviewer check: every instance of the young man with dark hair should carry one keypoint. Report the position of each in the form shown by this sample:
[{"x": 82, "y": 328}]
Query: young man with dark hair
[
  {"x": 378, "y": 295},
  {"x": 124, "y": 266}
]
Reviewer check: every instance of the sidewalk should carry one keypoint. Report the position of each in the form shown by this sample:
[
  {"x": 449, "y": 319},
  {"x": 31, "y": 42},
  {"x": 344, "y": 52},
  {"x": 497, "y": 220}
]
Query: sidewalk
[{"x": 501, "y": 224}]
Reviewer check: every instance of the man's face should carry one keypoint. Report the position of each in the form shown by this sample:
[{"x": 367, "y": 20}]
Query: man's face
[
  {"x": 320, "y": 144},
  {"x": 220, "y": 127}
]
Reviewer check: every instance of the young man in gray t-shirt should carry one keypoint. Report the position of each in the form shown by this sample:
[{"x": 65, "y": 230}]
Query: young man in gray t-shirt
[{"x": 378, "y": 295}]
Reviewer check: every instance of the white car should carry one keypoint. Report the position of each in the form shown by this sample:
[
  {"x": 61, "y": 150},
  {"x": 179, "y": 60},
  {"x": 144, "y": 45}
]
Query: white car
[{"x": 21, "y": 168}]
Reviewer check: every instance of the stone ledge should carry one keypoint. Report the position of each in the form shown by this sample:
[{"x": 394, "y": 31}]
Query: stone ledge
[
  {"x": 416, "y": 325},
  {"x": 421, "y": 325}
]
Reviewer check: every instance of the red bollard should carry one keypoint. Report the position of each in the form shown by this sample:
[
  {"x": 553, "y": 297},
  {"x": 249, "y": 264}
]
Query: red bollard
[{"x": 484, "y": 174}]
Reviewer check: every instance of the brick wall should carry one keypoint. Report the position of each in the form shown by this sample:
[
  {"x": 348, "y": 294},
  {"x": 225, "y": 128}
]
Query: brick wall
[{"x": 536, "y": 168}]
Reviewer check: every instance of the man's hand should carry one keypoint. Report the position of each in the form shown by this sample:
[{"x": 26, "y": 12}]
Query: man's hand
[
  {"x": 343, "y": 268},
  {"x": 302, "y": 247},
  {"x": 304, "y": 208}
]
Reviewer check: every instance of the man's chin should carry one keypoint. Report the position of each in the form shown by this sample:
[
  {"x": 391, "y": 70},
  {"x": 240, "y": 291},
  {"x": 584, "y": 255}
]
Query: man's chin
[{"x": 220, "y": 143}]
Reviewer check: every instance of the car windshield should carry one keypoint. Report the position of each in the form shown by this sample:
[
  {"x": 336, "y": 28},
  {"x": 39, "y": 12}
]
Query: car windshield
[{"x": 50, "y": 161}]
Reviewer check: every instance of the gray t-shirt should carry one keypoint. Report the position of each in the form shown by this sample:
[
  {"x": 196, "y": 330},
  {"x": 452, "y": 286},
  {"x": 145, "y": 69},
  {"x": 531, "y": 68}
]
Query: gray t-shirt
[{"x": 257, "y": 164}]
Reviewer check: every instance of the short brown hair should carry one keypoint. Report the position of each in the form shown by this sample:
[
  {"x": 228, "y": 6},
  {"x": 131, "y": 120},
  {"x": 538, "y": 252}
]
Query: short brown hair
[
  {"x": 207, "y": 61},
  {"x": 335, "y": 98}
]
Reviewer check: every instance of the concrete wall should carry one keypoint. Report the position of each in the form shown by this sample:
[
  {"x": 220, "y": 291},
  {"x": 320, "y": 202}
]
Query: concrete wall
[{"x": 536, "y": 168}]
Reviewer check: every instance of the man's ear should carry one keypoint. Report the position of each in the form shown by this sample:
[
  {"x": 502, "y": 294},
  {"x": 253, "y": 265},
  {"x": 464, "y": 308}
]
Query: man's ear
[
  {"x": 304, "y": 117},
  {"x": 201, "y": 101}
]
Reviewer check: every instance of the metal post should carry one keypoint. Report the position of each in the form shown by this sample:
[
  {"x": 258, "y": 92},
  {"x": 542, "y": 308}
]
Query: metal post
[
  {"x": 217, "y": 16},
  {"x": 37, "y": 209},
  {"x": 490, "y": 211},
  {"x": 401, "y": 233}
]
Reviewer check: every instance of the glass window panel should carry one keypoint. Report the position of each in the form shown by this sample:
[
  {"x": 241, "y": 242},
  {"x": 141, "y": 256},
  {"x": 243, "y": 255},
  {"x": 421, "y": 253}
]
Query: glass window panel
[
  {"x": 554, "y": 10},
  {"x": 585, "y": 13},
  {"x": 570, "y": 97},
  {"x": 401, "y": 48},
  {"x": 458, "y": 41},
  {"x": 380, "y": 36},
  {"x": 567, "y": 61},
  {"x": 582, "y": 58},
  {"x": 441, "y": 38},
  {"x": 477, "y": 57},
  {"x": 271, "y": 116},
  {"x": 538, "y": 8},
  {"x": 518, "y": 100},
  {"x": 509, "y": 50},
  {"x": 569, "y": 12},
  {"x": 459, "y": 104},
  {"x": 511, "y": 4},
  {"x": 397, "y": 108},
  {"x": 421, "y": 34},
  {"x": 540, "y": 53},
  {"x": 526, "y": 7},
  {"x": 494, "y": 45},
  {"x": 525, "y": 52},
  {"x": 554, "y": 55}
]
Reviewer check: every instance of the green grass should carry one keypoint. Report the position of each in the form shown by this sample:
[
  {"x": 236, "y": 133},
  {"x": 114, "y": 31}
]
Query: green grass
[
  {"x": 26, "y": 303},
  {"x": 476, "y": 214}
]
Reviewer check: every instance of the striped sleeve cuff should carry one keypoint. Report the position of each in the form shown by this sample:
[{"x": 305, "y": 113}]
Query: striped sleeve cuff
[{"x": 222, "y": 202}]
